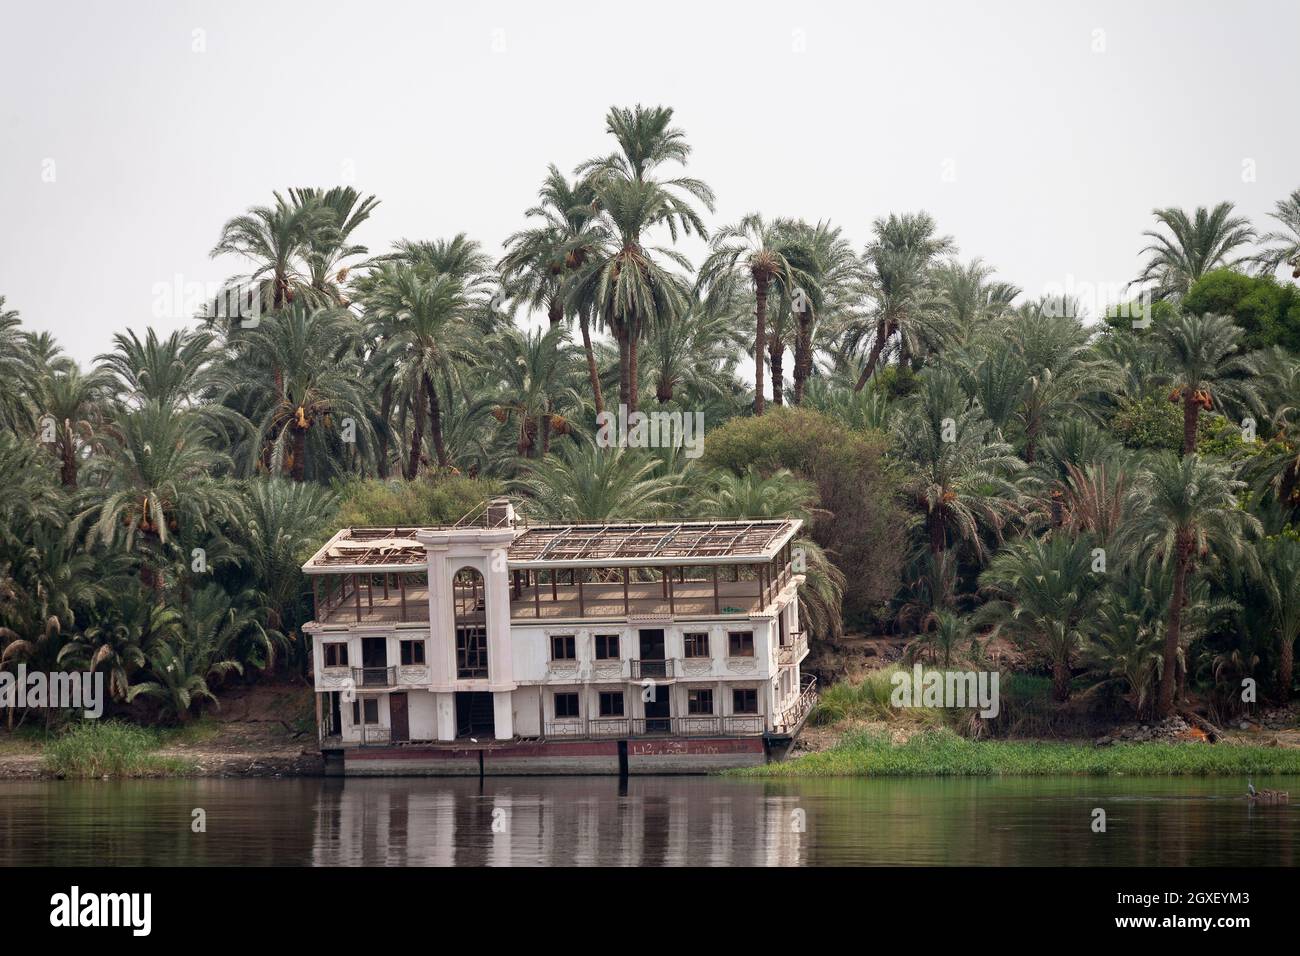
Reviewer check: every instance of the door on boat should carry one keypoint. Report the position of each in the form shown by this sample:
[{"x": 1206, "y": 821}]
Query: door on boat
[
  {"x": 652, "y": 653},
  {"x": 398, "y": 717}
]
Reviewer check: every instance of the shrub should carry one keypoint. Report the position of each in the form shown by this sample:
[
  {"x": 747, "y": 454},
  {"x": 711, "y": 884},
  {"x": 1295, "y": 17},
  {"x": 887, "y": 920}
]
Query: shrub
[
  {"x": 95, "y": 748},
  {"x": 863, "y": 526}
]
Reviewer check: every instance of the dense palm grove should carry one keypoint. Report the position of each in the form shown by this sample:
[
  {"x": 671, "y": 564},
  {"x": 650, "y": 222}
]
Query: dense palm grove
[{"x": 976, "y": 466}]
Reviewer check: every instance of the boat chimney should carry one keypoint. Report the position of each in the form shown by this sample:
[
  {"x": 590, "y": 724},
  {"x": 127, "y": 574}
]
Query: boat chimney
[{"x": 500, "y": 513}]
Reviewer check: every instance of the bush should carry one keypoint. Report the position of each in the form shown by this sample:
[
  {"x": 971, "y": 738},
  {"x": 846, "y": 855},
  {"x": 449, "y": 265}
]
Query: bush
[
  {"x": 863, "y": 526},
  {"x": 424, "y": 502}
]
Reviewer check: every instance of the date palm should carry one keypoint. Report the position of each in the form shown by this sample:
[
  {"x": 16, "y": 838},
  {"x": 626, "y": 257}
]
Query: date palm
[
  {"x": 971, "y": 299},
  {"x": 628, "y": 287},
  {"x": 696, "y": 353},
  {"x": 1206, "y": 366},
  {"x": 625, "y": 287},
  {"x": 583, "y": 482},
  {"x": 74, "y": 408},
  {"x": 330, "y": 246},
  {"x": 1285, "y": 246},
  {"x": 1044, "y": 596},
  {"x": 311, "y": 383},
  {"x": 1280, "y": 564},
  {"x": 536, "y": 374},
  {"x": 1185, "y": 511},
  {"x": 157, "y": 476},
  {"x": 960, "y": 473},
  {"x": 277, "y": 240},
  {"x": 423, "y": 319},
  {"x": 758, "y": 256},
  {"x": 836, "y": 273},
  {"x": 1191, "y": 246},
  {"x": 178, "y": 371},
  {"x": 541, "y": 261},
  {"x": 906, "y": 300}
]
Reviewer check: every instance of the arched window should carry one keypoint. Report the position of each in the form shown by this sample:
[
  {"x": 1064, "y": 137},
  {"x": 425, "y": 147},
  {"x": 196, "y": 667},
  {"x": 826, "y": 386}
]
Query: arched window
[{"x": 469, "y": 605}]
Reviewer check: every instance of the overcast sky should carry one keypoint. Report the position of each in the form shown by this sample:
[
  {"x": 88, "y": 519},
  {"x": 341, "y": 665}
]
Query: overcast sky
[{"x": 1040, "y": 135}]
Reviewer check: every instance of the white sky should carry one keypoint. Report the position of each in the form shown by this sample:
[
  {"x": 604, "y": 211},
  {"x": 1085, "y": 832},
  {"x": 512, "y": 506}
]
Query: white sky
[{"x": 1058, "y": 153}]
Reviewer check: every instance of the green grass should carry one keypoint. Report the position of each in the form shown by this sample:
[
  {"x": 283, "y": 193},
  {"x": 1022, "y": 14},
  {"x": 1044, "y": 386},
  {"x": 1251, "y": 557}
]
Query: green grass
[
  {"x": 944, "y": 753},
  {"x": 95, "y": 748}
]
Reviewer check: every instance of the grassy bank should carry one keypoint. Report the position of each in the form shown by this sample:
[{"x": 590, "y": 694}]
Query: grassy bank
[
  {"x": 943, "y": 753},
  {"x": 97, "y": 749}
]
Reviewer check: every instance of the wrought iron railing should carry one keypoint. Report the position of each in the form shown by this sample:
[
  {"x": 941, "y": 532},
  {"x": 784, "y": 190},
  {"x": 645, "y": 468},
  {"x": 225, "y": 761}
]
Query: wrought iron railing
[
  {"x": 794, "y": 714},
  {"x": 642, "y": 669},
  {"x": 374, "y": 676}
]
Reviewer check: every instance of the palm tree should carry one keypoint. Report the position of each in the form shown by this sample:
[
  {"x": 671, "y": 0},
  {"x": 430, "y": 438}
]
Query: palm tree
[
  {"x": 1206, "y": 366},
  {"x": 1044, "y": 595},
  {"x": 587, "y": 483},
  {"x": 1125, "y": 645},
  {"x": 156, "y": 476},
  {"x": 536, "y": 373},
  {"x": 1191, "y": 247},
  {"x": 624, "y": 286},
  {"x": 77, "y": 407},
  {"x": 15, "y": 366},
  {"x": 424, "y": 323},
  {"x": 906, "y": 302},
  {"x": 115, "y": 641},
  {"x": 278, "y": 240},
  {"x": 1280, "y": 562},
  {"x": 329, "y": 246},
  {"x": 176, "y": 371},
  {"x": 837, "y": 277},
  {"x": 696, "y": 352},
  {"x": 1060, "y": 368},
  {"x": 759, "y": 255},
  {"x": 315, "y": 378},
  {"x": 1185, "y": 510},
  {"x": 1286, "y": 241},
  {"x": 541, "y": 261},
  {"x": 959, "y": 469},
  {"x": 283, "y": 521},
  {"x": 970, "y": 299}
]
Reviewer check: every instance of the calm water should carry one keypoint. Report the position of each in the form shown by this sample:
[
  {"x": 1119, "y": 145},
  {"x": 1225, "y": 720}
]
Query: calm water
[{"x": 652, "y": 822}]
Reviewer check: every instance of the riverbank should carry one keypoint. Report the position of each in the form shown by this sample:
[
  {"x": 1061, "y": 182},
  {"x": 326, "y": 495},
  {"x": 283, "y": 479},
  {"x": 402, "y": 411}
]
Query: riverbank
[
  {"x": 941, "y": 752},
  {"x": 263, "y": 731}
]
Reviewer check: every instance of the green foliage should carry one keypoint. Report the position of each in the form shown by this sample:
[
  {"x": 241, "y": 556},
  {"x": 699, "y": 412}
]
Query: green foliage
[
  {"x": 1267, "y": 310},
  {"x": 94, "y": 749},
  {"x": 861, "y": 523},
  {"x": 428, "y": 501},
  {"x": 941, "y": 752}
]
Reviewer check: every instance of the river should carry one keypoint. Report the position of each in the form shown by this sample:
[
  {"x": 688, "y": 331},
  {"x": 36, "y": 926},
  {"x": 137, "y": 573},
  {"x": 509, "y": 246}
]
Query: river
[{"x": 659, "y": 821}]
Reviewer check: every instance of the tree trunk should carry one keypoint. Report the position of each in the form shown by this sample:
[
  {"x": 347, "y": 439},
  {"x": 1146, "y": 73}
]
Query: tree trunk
[
  {"x": 776, "y": 350},
  {"x": 1173, "y": 631},
  {"x": 1191, "y": 413},
  {"x": 299, "y": 471},
  {"x": 68, "y": 475},
  {"x": 1031, "y": 441},
  {"x": 417, "y": 439},
  {"x": 760, "y": 339},
  {"x": 1285, "y": 668},
  {"x": 938, "y": 539},
  {"x": 435, "y": 423},
  {"x": 620, "y": 336},
  {"x": 555, "y": 312},
  {"x": 882, "y": 333},
  {"x": 633, "y": 367},
  {"x": 1060, "y": 681},
  {"x": 802, "y": 354},
  {"x": 584, "y": 321},
  {"x": 385, "y": 410}
]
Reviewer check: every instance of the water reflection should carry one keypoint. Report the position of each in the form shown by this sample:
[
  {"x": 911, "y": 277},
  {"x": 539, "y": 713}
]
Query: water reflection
[
  {"x": 660, "y": 821},
  {"x": 557, "y": 822}
]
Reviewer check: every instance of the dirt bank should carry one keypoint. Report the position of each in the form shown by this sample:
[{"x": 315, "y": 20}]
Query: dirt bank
[{"x": 260, "y": 731}]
